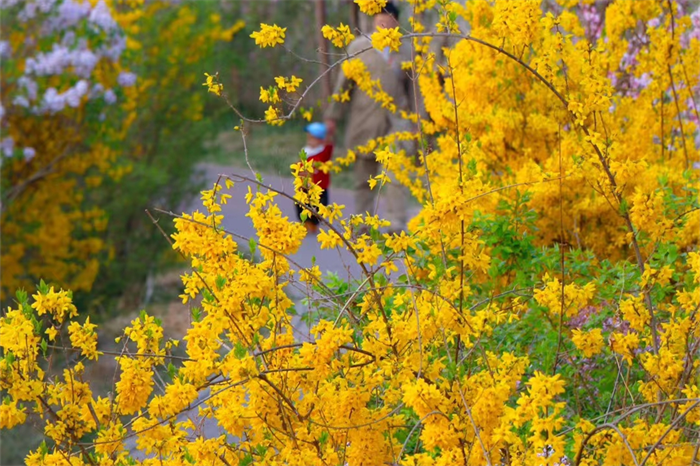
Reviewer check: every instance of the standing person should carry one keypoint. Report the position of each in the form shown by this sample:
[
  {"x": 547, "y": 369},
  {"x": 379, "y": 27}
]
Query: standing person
[
  {"x": 317, "y": 151},
  {"x": 368, "y": 120}
]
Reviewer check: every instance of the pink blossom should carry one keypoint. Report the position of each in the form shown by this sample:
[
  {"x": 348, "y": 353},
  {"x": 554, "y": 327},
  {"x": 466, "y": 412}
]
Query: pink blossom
[
  {"x": 70, "y": 13},
  {"x": 110, "y": 97},
  {"x": 29, "y": 86},
  {"x": 74, "y": 95},
  {"x": 8, "y": 3},
  {"x": 21, "y": 101},
  {"x": 28, "y": 153},
  {"x": 96, "y": 91},
  {"x": 51, "y": 63},
  {"x": 53, "y": 102},
  {"x": 126, "y": 79},
  {"x": 31, "y": 8},
  {"x": 5, "y": 49},
  {"x": 84, "y": 61},
  {"x": 102, "y": 17},
  {"x": 7, "y": 145},
  {"x": 695, "y": 31},
  {"x": 591, "y": 19},
  {"x": 115, "y": 49}
]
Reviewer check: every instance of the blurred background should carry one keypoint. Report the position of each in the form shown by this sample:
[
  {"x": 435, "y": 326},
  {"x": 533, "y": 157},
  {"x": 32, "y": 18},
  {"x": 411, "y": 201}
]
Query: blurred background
[{"x": 104, "y": 115}]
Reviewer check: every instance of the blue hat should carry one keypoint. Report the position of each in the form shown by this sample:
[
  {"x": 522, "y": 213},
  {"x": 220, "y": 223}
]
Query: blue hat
[{"x": 317, "y": 130}]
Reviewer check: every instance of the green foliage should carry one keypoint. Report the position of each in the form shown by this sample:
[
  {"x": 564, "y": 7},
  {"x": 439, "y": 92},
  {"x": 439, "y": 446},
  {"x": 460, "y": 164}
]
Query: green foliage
[{"x": 166, "y": 144}]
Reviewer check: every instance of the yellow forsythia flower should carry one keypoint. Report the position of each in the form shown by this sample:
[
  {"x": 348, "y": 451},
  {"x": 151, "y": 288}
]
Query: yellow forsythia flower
[
  {"x": 84, "y": 338},
  {"x": 624, "y": 345},
  {"x": 11, "y": 415},
  {"x": 269, "y": 36},
  {"x": 388, "y": 37},
  {"x": 329, "y": 239},
  {"x": 51, "y": 332},
  {"x": 694, "y": 262},
  {"x": 269, "y": 95},
  {"x": 58, "y": 304},
  {"x": 371, "y": 7},
  {"x": 214, "y": 86},
  {"x": 227, "y": 34},
  {"x": 340, "y": 37},
  {"x": 590, "y": 343},
  {"x": 310, "y": 275},
  {"x": 272, "y": 116},
  {"x": 288, "y": 84}
]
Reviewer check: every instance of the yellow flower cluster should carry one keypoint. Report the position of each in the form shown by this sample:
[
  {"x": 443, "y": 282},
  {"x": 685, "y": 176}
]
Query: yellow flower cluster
[
  {"x": 84, "y": 338},
  {"x": 288, "y": 84},
  {"x": 273, "y": 116},
  {"x": 340, "y": 36},
  {"x": 356, "y": 71},
  {"x": 387, "y": 37},
  {"x": 212, "y": 83},
  {"x": 568, "y": 300},
  {"x": 58, "y": 305},
  {"x": 269, "y": 36},
  {"x": 589, "y": 343},
  {"x": 371, "y": 7},
  {"x": 269, "y": 95}
]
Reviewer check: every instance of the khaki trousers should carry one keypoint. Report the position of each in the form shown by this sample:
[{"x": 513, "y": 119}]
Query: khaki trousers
[{"x": 394, "y": 194}]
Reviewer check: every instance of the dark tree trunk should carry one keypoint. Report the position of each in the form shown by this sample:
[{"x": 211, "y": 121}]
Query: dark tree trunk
[
  {"x": 326, "y": 84},
  {"x": 354, "y": 17}
]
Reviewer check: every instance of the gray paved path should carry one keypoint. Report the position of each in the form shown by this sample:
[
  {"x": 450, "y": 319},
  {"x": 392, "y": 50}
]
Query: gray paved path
[{"x": 235, "y": 220}]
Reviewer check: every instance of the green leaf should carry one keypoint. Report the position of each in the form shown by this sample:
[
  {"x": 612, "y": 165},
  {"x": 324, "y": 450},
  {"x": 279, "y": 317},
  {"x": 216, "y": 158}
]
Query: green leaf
[
  {"x": 252, "y": 244},
  {"x": 624, "y": 207},
  {"x": 21, "y": 295},
  {"x": 196, "y": 314},
  {"x": 471, "y": 166},
  {"x": 44, "y": 346},
  {"x": 247, "y": 459},
  {"x": 261, "y": 449},
  {"x": 220, "y": 282},
  {"x": 239, "y": 351},
  {"x": 43, "y": 287},
  {"x": 323, "y": 438},
  {"x": 171, "y": 370}
]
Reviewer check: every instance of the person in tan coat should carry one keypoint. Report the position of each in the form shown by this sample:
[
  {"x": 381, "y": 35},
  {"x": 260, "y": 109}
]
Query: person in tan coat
[{"x": 368, "y": 120}]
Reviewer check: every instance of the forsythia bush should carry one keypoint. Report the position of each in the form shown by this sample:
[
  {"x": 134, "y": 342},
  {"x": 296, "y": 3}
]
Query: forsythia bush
[{"x": 541, "y": 310}]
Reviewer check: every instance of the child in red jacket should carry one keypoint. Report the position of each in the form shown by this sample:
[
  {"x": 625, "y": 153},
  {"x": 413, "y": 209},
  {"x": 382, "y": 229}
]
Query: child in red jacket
[{"x": 318, "y": 151}]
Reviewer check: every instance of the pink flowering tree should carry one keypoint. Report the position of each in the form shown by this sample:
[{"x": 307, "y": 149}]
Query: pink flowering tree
[{"x": 63, "y": 78}]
